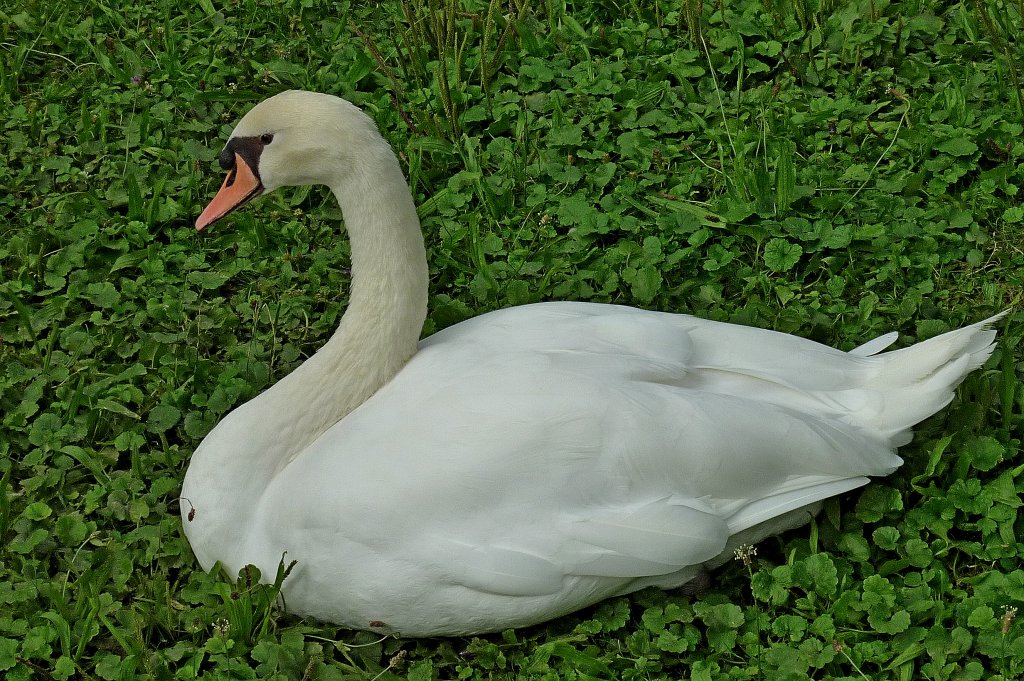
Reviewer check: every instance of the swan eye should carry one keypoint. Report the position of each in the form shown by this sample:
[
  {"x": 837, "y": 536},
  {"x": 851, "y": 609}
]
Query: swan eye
[{"x": 266, "y": 138}]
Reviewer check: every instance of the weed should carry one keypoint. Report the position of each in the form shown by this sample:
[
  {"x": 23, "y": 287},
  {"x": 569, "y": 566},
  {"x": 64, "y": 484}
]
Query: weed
[{"x": 833, "y": 169}]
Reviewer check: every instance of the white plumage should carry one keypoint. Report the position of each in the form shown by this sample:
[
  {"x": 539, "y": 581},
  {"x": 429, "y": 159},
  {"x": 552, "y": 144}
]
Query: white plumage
[{"x": 533, "y": 460}]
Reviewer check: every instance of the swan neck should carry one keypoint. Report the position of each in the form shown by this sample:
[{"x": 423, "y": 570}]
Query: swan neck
[
  {"x": 381, "y": 326},
  {"x": 388, "y": 296},
  {"x": 387, "y": 303}
]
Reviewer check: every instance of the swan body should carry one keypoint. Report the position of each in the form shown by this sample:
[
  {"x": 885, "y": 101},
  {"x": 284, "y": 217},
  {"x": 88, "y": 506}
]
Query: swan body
[{"x": 531, "y": 461}]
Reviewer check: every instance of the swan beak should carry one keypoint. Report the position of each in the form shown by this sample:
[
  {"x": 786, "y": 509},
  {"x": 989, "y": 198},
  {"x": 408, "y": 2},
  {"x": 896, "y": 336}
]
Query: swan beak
[{"x": 240, "y": 186}]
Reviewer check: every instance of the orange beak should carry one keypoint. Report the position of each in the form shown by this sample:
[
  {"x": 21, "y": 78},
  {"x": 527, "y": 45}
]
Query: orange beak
[{"x": 240, "y": 186}]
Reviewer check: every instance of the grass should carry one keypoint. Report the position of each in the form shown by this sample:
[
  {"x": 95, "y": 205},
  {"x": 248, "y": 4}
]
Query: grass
[{"x": 834, "y": 169}]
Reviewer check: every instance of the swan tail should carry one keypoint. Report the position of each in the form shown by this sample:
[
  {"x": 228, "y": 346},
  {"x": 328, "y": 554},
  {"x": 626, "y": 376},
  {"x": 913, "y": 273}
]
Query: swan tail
[{"x": 917, "y": 381}]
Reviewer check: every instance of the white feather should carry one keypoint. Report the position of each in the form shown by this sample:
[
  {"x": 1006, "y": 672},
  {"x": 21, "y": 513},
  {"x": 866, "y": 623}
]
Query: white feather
[{"x": 534, "y": 460}]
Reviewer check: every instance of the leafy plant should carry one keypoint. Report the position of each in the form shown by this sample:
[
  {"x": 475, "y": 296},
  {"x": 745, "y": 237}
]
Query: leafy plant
[
  {"x": 440, "y": 46},
  {"x": 836, "y": 170}
]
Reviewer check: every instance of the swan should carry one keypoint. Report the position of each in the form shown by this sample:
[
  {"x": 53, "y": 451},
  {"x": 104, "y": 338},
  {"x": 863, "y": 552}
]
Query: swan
[{"x": 530, "y": 461}]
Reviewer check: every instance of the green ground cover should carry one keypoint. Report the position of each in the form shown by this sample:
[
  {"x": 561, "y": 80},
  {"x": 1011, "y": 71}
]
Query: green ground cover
[{"x": 831, "y": 169}]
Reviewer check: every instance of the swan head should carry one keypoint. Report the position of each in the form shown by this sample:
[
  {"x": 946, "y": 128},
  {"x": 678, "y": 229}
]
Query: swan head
[{"x": 293, "y": 138}]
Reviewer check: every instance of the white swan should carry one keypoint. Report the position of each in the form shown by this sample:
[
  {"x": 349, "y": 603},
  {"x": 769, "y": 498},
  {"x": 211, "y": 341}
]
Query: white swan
[{"x": 530, "y": 461}]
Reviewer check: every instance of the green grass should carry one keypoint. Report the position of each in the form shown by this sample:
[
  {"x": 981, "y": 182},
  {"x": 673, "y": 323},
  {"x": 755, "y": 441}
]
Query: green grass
[{"x": 834, "y": 169}]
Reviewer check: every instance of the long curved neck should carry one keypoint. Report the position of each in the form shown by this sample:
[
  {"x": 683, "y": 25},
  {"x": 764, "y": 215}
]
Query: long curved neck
[
  {"x": 241, "y": 457},
  {"x": 387, "y": 304}
]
